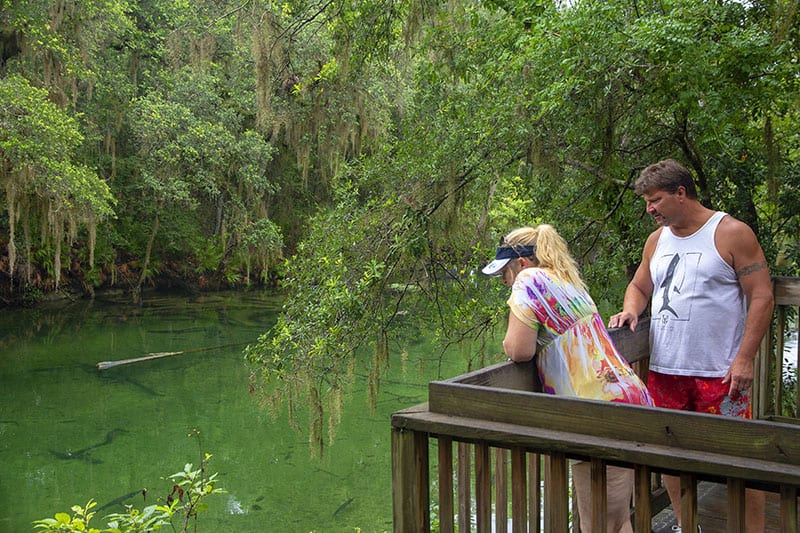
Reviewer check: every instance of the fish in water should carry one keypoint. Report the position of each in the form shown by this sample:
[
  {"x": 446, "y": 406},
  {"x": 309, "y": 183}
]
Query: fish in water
[
  {"x": 343, "y": 506},
  {"x": 84, "y": 453},
  {"x": 176, "y": 331},
  {"x": 667, "y": 284},
  {"x": 126, "y": 380},
  {"x": 81, "y": 455},
  {"x": 122, "y": 499}
]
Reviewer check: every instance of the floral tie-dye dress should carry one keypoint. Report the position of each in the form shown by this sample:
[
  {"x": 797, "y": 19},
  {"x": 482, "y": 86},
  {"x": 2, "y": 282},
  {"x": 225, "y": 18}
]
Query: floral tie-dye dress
[{"x": 575, "y": 354}]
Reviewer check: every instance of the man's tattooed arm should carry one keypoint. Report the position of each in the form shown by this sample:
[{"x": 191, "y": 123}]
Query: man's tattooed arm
[{"x": 749, "y": 269}]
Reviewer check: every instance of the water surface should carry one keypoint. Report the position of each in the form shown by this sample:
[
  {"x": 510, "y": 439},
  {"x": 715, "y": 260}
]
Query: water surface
[{"x": 70, "y": 432}]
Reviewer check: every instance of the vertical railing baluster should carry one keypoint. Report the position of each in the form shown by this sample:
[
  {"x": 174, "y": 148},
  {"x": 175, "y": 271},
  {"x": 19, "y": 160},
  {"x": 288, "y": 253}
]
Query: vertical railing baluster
[
  {"x": 778, "y": 359},
  {"x": 446, "y": 510},
  {"x": 689, "y": 509},
  {"x": 464, "y": 494},
  {"x": 736, "y": 505},
  {"x": 788, "y": 520},
  {"x": 599, "y": 495},
  {"x": 641, "y": 496},
  {"x": 535, "y": 493},
  {"x": 796, "y": 363},
  {"x": 519, "y": 490},
  {"x": 556, "y": 494},
  {"x": 501, "y": 490},
  {"x": 483, "y": 488}
]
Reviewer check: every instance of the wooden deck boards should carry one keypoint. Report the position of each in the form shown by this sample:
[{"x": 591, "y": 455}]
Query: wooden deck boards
[{"x": 713, "y": 511}]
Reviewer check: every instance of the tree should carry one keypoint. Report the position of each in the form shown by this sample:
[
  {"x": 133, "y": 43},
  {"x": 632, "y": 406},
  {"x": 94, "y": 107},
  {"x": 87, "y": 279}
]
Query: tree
[
  {"x": 44, "y": 186},
  {"x": 195, "y": 155},
  {"x": 517, "y": 115}
]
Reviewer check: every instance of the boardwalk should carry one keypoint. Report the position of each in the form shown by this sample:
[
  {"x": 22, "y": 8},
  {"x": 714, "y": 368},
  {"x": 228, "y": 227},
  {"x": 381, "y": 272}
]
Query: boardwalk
[
  {"x": 477, "y": 427},
  {"x": 713, "y": 510}
]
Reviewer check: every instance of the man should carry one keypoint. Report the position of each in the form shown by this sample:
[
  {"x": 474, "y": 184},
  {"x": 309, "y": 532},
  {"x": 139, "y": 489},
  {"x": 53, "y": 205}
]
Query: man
[{"x": 709, "y": 286}]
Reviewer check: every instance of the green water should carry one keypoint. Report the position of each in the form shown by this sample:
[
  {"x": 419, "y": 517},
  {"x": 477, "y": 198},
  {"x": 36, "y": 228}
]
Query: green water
[{"x": 70, "y": 432}]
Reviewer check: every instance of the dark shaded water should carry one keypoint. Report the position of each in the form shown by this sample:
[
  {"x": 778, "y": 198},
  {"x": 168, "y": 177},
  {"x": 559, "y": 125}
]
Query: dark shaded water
[{"x": 70, "y": 432}]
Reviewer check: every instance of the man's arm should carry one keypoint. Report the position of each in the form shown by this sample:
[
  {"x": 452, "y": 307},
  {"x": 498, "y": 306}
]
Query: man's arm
[
  {"x": 738, "y": 245},
  {"x": 639, "y": 290}
]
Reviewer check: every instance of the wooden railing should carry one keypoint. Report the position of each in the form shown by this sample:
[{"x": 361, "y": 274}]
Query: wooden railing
[
  {"x": 770, "y": 394},
  {"x": 488, "y": 422}
]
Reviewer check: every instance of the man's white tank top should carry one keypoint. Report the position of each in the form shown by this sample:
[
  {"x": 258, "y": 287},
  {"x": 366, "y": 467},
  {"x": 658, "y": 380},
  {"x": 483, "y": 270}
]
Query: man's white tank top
[{"x": 697, "y": 309}]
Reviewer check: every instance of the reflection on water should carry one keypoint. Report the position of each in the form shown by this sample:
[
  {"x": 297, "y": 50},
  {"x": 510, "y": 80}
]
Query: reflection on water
[{"x": 70, "y": 432}]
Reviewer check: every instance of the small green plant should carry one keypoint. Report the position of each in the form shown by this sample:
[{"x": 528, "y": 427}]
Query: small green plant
[
  {"x": 179, "y": 509},
  {"x": 31, "y": 295},
  {"x": 184, "y": 502},
  {"x": 67, "y": 524}
]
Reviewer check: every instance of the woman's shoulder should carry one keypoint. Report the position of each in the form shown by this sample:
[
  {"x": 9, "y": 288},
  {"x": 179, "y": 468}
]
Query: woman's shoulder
[
  {"x": 540, "y": 276},
  {"x": 534, "y": 273}
]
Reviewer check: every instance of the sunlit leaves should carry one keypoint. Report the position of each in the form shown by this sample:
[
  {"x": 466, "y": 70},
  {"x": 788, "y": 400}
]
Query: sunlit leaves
[{"x": 38, "y": 141}]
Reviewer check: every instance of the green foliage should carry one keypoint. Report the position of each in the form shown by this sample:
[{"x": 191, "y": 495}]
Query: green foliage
[
  {"x": 514, "y": 115},
  {"x": 64, "y": 523},
  {"x": 789, "y": 397},
  {"x": 209, "y": 256},
  {"x": 186, "y": 500},
  {"x": 37, "y": 143},
  {"x": 384, "y": 146}
]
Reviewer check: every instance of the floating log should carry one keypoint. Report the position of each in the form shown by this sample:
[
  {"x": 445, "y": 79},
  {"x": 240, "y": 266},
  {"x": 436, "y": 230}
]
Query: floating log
[{"x": 103, "y": 365}]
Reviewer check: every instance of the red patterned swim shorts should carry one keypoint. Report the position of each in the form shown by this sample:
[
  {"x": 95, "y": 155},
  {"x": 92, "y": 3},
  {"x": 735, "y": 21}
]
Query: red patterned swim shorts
[{"x": 701, "y": 395}]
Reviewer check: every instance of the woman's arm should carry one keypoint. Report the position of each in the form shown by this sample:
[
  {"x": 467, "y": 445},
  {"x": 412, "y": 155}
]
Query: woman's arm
[{"x": 520, "y": 341}]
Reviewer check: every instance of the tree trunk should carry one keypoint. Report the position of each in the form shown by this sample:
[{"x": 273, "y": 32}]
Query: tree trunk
[{"x": 137, "y": 291}]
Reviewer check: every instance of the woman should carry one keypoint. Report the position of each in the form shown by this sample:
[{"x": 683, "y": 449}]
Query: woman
[{"x": 553, "y": 315}]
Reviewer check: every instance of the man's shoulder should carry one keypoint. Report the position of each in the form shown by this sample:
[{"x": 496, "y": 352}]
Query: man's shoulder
[
  {"x": 652, "y": 241},
  {"x": 736, "y": 241},
  {"x": 732, "y": 227}
]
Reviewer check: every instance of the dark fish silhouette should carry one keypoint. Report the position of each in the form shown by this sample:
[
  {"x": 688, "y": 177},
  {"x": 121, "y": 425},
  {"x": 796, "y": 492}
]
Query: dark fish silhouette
[
  {"x": 343, "y": 507},
  {"x": 667, "y": 284},
  {"x": 126, "y": 380},
  {"x": 122, "y": 499},
  {"x": 84, "y": 454}
]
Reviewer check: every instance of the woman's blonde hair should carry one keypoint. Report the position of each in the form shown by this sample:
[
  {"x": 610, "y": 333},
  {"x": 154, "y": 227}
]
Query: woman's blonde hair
[{"x": 550, "y": 251}]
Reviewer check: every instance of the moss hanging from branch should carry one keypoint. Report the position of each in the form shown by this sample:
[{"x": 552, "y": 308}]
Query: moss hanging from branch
[
  {"x": 315, "y": 421},
  {"x": 13, "y": 215},
  {"x": 266, "y": 48}
]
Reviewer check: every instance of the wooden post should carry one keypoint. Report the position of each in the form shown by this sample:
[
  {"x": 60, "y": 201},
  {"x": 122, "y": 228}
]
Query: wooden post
[
  {"x": 410, "y": 492},
  {"x": 599, "y": 496},
  {"x": 788, "y": 521},
  {"x": 446, "y": 522},
  {"x": 535, "y": 493},
  {"x": 519, "y": 490},
  {"x": 501, "y": 490},
  {"x": 689, "y": 502},
  {"x": 736, "y": 506},
  {"x": 483, "y": 488},
  {"x": 643, "y": 514},
  {"x": 556, "y": 495},
  {"x": 464, "y": 499}
]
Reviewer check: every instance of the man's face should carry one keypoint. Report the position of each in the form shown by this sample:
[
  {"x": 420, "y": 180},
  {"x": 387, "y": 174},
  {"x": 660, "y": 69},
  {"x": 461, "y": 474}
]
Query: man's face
[{"x": 663, "y": 205}]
